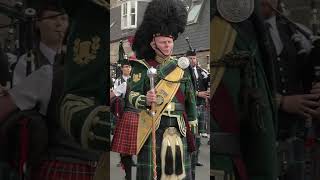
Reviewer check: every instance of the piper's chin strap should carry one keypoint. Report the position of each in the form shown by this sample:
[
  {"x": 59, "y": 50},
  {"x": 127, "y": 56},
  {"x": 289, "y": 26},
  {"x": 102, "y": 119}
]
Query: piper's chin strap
[{"x": 155, "y": 43}]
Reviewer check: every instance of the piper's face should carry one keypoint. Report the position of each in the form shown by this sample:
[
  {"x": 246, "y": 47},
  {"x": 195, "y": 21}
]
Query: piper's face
[
  {"x": 266, "y": 10},
  {"x": 126, "y": 70},
  {"x": 53, "y": 30},
  {"x": 193, "y": 60},
  {"x": 165, "y": 44}
]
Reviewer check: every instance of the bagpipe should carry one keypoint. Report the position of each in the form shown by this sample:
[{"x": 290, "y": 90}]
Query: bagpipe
[
  {"x": 24, "y": 128},
  {"x": 310, "y": 139},
  {"x": 312, "y": 36},
  {"x": 208, "y": 70},
  {"x": 22, "y": 36},
  {"x": 21, "y": 26},
  {"x": 189, "y": 68},
  {"x": 282, "y": 12}
]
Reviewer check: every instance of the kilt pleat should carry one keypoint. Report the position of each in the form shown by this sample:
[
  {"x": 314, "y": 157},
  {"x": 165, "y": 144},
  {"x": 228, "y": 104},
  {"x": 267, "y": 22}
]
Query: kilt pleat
[
  {"x": 125, "y": 134},
  {"x": 58, "y": 170},
  {"x": 202, "y": 119}
]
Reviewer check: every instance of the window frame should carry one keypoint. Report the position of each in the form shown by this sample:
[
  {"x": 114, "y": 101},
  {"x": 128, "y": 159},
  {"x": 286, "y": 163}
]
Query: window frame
[
  {"x": 195, "y": 19},
  {"x": 128, "y": 16}
]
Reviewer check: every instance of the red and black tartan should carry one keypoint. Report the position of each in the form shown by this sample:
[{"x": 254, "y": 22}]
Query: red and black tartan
[
  {"x": 125, "y": 134},
  {"x": 58, "y": 170}
]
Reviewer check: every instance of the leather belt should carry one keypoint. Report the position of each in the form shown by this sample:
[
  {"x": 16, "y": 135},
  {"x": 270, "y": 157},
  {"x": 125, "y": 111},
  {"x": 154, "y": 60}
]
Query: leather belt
[
  {"x": 226, "y": 144},
  {"x": 168, "y": 122},
  {"x": 173, "y": 106}
]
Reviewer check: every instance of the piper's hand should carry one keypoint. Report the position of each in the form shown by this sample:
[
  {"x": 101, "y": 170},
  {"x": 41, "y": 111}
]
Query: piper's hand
[
  {"x": 151, "y": 97},
  {"x": 203, "y": 94},
  {"x": 315, "y": 88},
  {"x": 303, "y": 105},
  {"x": 121, "y": 89},
  {"x": 306, "y": 45}
]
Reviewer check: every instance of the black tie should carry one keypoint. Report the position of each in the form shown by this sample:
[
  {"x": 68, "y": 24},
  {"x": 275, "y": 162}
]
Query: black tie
[
  {"x": 270, "y": 44},
  {"x": 58, "y": 59}
]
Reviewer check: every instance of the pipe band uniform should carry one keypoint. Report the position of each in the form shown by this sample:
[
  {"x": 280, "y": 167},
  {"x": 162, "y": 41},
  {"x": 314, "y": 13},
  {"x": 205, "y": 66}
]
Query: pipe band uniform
[
  {"x": 200, "y": 79},
  {"x": 174, "y": 100}
]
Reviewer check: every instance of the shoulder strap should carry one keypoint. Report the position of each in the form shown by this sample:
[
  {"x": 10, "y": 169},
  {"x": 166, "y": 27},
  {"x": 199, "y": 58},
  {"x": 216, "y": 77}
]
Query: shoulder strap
[
  {"x": 166, "y": 92},
  {"x": 38, "y": 61},
  {"x": 224, "y": 37}
]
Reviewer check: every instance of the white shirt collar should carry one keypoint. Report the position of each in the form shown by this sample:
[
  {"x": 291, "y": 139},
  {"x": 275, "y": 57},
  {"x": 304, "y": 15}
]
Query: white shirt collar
[
  {"x": 125, "y": 77},
  {"x": 272, "y": 21},
  {"x": 48, "y": 52}
]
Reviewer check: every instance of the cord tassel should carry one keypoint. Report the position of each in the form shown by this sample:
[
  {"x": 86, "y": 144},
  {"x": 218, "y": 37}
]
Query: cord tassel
[
  {"x": 178, "y": 163},
  {"x": 169, "y": 160}
]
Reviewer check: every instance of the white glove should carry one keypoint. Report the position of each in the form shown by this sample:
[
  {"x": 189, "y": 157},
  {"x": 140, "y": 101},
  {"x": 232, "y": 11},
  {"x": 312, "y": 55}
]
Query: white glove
[
  {"x": 305, "y": 44},
  {"x": 204, "y": 74},
  {"x": 121, "y": 89}
]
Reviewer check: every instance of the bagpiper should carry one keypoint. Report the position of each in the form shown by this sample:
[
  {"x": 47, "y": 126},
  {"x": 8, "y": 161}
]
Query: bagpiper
[
  {"x": 172, "y": 101},
  {"x": 118, "y": 102},
  {"x": 201, "y": 82}
]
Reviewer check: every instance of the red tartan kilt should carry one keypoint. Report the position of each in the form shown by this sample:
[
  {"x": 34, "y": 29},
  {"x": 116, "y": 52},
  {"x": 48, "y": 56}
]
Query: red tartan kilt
[
  {"x": 58, "y": 170},
  {"x": 125, "y": 135}
]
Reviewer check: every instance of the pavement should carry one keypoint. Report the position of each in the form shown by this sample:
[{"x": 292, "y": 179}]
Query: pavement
[{"x": 202, "y": 173}]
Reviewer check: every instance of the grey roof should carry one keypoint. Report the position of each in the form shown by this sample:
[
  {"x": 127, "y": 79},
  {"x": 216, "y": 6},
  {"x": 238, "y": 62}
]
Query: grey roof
[
  {"x": 115, "y": 17},
  {"x": 198, "y": 32}
]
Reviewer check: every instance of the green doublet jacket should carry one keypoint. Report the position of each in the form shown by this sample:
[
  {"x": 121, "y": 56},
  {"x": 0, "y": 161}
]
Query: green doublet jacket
[
  {"x": 140, "y": 85},
  {"x": 257, "y": 124},
  {"x": 83, "y": 112}
]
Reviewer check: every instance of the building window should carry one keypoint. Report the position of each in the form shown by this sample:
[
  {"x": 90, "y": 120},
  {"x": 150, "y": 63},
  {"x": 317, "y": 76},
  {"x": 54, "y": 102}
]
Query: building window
[
  {"x": 129, "y": 14},
  {"x": 194, "y": 11}
]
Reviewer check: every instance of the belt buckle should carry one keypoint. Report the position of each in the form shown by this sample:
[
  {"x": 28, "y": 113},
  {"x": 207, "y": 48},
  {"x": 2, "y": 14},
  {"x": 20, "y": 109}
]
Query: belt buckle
[{"x": 170, "y": 107}]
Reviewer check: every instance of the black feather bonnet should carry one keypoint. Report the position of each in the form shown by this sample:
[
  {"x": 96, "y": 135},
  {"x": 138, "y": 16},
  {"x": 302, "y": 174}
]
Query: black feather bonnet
[{"x": 161, "y": 18}]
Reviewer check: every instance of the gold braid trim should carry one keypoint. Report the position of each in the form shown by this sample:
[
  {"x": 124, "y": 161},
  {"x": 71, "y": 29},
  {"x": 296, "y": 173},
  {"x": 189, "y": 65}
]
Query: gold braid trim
[
  {"x": 71, "y": 105},
  {"x": 132, "y": 95},
  {"x": 89, "y": 123},
  {"x": 138, "y": 103}
]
